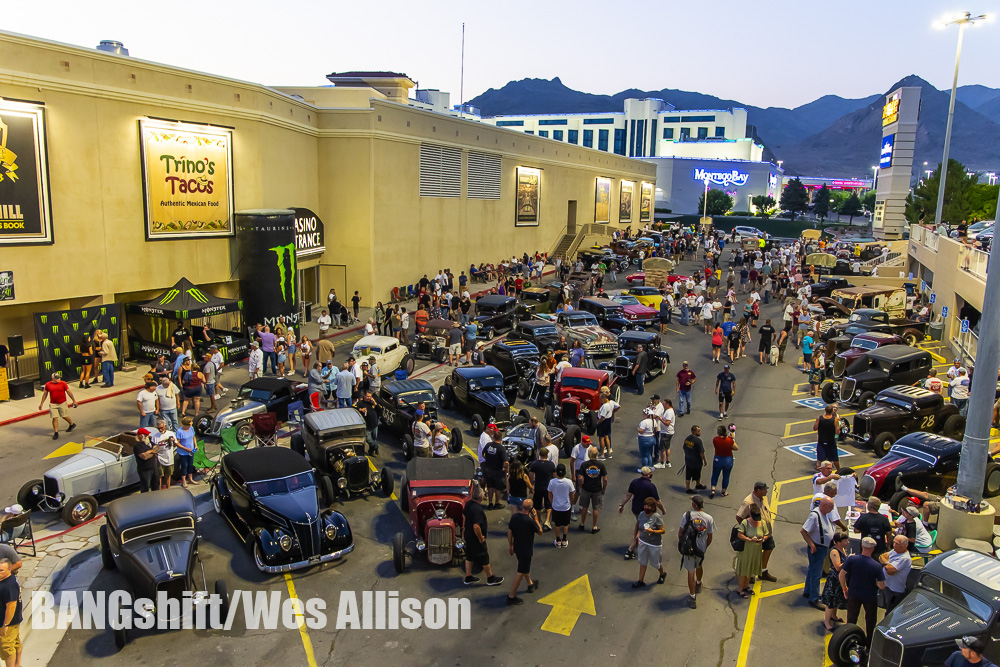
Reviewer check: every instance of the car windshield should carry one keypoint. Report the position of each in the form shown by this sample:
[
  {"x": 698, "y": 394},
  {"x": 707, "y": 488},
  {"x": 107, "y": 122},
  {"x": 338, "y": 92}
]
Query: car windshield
[
  {"x": 488, "y": 382},
  {"x": 485, "y": 309},
  {"x": 546, "y": 331},
  {"x": 366, "y": 350},
  {"x": 414, "y": 397},
  {"x": 581, "y": 320},
  {"x": 894, "y": 402},
  {"x": 279, "y": 487},
  {"x": 581, "y": 382},
  {"x": 857, "y": 317},
  {"x": 259, "y": 395},
  {"x": 185, "y": 523},
  {"x": 978, "y": 608},
  {"x": 864, "y": 344},
  {"x": 626, "y": 300},
  {"x": 535, "y": 296}
]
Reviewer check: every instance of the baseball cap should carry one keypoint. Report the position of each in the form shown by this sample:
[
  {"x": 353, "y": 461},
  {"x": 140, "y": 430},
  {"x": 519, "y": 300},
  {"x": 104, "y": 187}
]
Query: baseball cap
[
  {"x": 970, "y": 642},
  {"x": 655, "y": 397},
  {"x": 585, "y": 440},
  {"x": 868, "y": 543},
  {"x": 726, "y": 366},
  {"x": 254, "y": 343},
  {"x": 561, "y": 469},
  {"x": 758, "y": 486},
  {"x": 685, "y": 363},
  {"x": 646, "y": 470},
  {"x": 143, "y": 431},
  {"x": 492, "y": 427},
  {"x": 13, "y": 509},
  {"x": 419, "y": 413},
  {"x": 213, "y": 347}
]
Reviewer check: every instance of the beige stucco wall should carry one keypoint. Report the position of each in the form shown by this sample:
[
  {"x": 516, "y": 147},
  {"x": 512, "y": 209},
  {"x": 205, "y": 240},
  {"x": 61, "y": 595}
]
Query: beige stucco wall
[{"x": 356, "y": 168}]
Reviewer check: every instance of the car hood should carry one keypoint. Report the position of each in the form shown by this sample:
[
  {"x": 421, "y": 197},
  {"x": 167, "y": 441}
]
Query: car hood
[
  {"x": 882, "y": 411},
  {"x": 491, "y": 397},
  {"x": 591, "y": 334},
  {"x": 585, "y": 396},
  {"x": 164, "y": 559},
  {"x": 925, "y": 617},
  {"x": 86, "y": 460},
  {"x": 300, "y": 506},
  {"x": 640, "y": 310},
  {"x": 246, "y": 409}
]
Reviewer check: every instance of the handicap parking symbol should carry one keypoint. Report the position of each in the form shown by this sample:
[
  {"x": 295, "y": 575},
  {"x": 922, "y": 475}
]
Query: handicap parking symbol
[
  {"x": 814, "y": 402},
  {"x": 808, "y": 451}
]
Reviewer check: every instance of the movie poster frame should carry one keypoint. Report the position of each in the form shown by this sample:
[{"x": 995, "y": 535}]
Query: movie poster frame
[
  {"x": 602, "y": 182},
  {"x": 527, "y": 221},
  {"x": 37, "y": 109}
]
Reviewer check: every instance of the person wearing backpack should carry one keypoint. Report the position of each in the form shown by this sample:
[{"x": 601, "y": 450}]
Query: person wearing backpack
[{"x": 693, "y": 537}]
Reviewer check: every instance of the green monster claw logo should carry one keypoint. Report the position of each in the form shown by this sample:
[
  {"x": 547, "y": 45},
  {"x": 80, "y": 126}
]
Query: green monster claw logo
[
  {"x": 169, "y": 296},
  {"x": 65, "y": 339},
  {"x": 83, "y": 314},
  {"x": 56, "y": 351},
  {"x": 55, "y": 328},
  {"x": 114, "y": 320},
  {"x": 76, "y": 348},
  {"x": 45, "y": 319},
  {"x": 45, "y": 342},
  {"x": 281, "y": 251},
  {"x": 48, "y": 365},
  {"x": 104, "y": 311},
  {"x": 197, "y": 295},
  {"x": 65, "y": 316},
  {"x": 76, "y": 326}
]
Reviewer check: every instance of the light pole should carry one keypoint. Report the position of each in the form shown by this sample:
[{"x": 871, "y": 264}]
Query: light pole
[
  {"x": 705, "y": 211},
  {"x": 875, "y": 177},
  {"x": 962, "y": 20}
]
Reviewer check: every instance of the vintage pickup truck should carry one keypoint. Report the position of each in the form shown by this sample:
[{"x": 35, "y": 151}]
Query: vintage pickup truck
[{"x": 868, "y": 320}]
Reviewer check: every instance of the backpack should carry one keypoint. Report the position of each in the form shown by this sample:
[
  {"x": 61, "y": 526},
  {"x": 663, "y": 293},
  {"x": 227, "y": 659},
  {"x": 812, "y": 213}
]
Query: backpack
[{"x": 688, "y": 543}]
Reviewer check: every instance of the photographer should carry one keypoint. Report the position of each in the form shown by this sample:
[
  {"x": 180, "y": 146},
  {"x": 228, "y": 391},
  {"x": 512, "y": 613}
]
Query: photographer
[
  {"x": 165, "y": 442},
  {"x": 146, "y": 461}
]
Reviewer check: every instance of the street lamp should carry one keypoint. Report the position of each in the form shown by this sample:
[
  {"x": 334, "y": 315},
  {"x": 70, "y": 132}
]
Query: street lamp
[
  {"x": 961, "y": 20},
  {"x": 874, "y": 177}
]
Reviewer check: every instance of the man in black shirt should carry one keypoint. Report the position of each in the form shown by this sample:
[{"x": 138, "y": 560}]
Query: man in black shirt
[
  {"x": 495, "y": 466},
  {"x": 592, "y": 480},
  {"x": 10, "y": 613},
  {"x": 146, "y": 463},
  {"x": 366, "y": 406},
  {"x": 541, "y": 473},
  {"x": 874, "y": 525},
  {"x": 476, "y": 553},
  {"x": 694, "y": 460},
  {"x": 356, "y": 305},
  {"x": 181, "y": 337},
  {"x": 521, "y": 531},
  {"x": 640, "y": 367},
  {"x": 766, "y": 336},
  {"x": 725, "y": 387}
]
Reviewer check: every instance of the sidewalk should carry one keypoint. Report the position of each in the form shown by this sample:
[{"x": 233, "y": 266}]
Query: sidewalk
[{"x": 125, "y": 382}]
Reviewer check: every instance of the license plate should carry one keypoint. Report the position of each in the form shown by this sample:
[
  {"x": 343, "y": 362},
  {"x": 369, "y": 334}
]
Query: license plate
[{"x": 314, "y": 559}]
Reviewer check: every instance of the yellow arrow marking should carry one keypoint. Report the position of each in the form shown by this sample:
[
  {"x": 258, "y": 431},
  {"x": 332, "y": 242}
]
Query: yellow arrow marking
[
  {"x": 567, "y": 604},
  {"x": 68, "y": 449}
]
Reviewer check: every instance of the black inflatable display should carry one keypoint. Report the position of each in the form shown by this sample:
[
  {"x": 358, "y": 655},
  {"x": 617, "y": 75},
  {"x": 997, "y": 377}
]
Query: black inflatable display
[{"x": 269, "y": 289}]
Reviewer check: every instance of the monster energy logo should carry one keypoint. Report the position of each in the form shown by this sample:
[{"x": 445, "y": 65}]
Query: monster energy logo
[
  {"x": 45, "y": 342},
  {"x": 114, "y": 320},
  {"x": 45, "y": 319},
  {"x": 66, "y": 339},
  {"x": 169, "y": 296},
  {"x": 48, "y": 365},
  {"x": 281, "y": 251},
  {"x": 104, "y": 311},
  {"x": 197, "y": 295},
  {"x": 76, "y": 326},
  {"x": 56, "y": 351},
  {"x": 55, "y": 328},
  {"x": 65, "y": 316},
  {"x": 83, "y": 314}
]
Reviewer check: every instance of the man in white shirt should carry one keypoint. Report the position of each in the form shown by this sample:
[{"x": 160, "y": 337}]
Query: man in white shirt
[
  {"x": 668, "y": 420},
  {"x": 255, "y": 364},
  {"x": 167, "y": 394},
  {"x": 605, "y": 415},
  {"x": 148, "y": 404},
  {"x": 220, "y": 363},
  {"x": 561, "y": 495},
  {"x": 954, "y": 369},
  {"x": 897, "y": 564},
  {"x": 324, "y": 321},
  {"x": 485, "y": 438},
  {"x": 166, "y": 440}
]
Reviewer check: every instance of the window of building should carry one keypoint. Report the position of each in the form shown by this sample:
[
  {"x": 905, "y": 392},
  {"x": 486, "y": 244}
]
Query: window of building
[
  {"x": 543, "y": 133},
  {"x": 703, "y": 133},
  {"x": 552, "y": 121},
  {"x": 668, "y": 133},
  {"x": 602, "y": 140},
  {"x": 557, "y": 135},
  {"x": 697, "y": 119},
  {"x": 510, "y": 123},
  {"x": 671, "y": 119},
  {"x": 440, "y": 171},
  {"x": 720, "y": 132},
  {"x": 529, "y": 131},
  {"x": 685, "y": 133},
  {"x": 483, "y": 175},
  {"x": 588, "y": 138},
  {"x": 573, "y": 136},
  {"x": 652, "y": 138},
  {"x": 620, "y": 141},
  {"x": 598, "y": 121},
  {"x": 631, "y": 141},
  {"x": 640, "y": 138}
]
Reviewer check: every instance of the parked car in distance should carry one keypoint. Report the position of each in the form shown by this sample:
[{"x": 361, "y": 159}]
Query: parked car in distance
[
  {"x": 577, "y": 400},
  {"x": 516, "y": 360},
  {"x": 825, "y": 286},
  {"x": 646, "y": 295},
  {"x": 904, "y": 409},
  {"x": 637, "y": 314},
  {"x": 610, "y": 314},
  {"x": 519, "y": 441},
  {"x": 334, "y": 441},
  {"x": 741, "y": 231},
  {"x": 543, "y": 334},
  {"x": 579, "y": 325},
  {"x": 74, "y": 485},
  {"x": 639, "y": 278},
  {"x": 876, "y": 370},
  {"x": 152, "y": 539},
  {"x": 857, "y": 346},
  {"x": 397, "y": 403},
  {"x": 433, "y": 494},
  {"x": 956, "y": 594},
  {"x": 390, "y": 355},
  {"x": 269, "y": 497},
  {"x": 921, "y": 461},
  {"x": 496, "y": 313},
  {"x": 865, "y": 320},
  {"x": 432, "y": 343},
  {"x": 478, "y": 391},
  {"x": 541, "y": 299},
  {"x": 877, "y": 297},
  {"x": 257, "y": 396},
  {"x": 628, "y": 342}
]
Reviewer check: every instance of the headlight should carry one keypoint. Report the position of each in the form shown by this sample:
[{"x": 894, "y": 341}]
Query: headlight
[
  {"x": 459, "y": 544},
  {"x": 439, "y": 514},
  {"x": 421, "y": 545},
  {"x": 342, "y": 483},
  {"x": 331, "y": 531},
  {"x": 285, "y": 542}
]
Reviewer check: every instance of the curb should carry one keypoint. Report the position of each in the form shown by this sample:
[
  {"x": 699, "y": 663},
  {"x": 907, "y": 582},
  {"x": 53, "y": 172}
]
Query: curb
[{"x": 32, "y": 415}]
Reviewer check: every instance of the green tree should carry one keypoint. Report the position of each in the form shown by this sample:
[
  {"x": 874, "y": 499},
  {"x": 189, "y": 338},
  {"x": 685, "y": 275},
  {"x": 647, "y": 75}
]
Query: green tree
[
  {"x": 868, "y": 201},
  {"x": 922, "y": 205},
  {"x": 982, "y": 199},
  {"x": 794, "y": 198},
  {"x": 719, "y": 203},
  {"x": 765, "y": 205},
  {"x": 851, "y": 207},
  {"x": 821, "y": 202}
]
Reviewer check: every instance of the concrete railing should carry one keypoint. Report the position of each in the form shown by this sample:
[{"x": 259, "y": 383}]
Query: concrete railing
[
  {"x": 887, "y": 260},
  {"x": 974, "y": 261},
  {"x": 924, "y": 236}
]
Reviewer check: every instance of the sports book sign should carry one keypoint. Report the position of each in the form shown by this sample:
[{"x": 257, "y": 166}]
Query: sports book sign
[
  {"x": 25, "y": 214},
  {"x": 187, "y": 179}
]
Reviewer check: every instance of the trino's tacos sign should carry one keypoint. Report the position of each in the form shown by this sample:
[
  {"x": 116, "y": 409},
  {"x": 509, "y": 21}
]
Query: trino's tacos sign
[{"x": 187, "y": 177}]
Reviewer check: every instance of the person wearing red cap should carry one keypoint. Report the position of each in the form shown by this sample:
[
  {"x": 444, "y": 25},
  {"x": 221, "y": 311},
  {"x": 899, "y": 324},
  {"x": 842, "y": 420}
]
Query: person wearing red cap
[{"x": 145, "y": 461}]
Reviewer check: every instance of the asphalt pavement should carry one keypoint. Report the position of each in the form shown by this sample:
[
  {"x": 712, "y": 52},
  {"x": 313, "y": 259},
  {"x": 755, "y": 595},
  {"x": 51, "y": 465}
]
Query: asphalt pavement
[{"x": 623, "y": 626}]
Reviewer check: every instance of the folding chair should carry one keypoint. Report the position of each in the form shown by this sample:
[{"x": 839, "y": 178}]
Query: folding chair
[
  {"x": 265, "y": 429},
  {"x": 410, "y": 293},
  {"x": 229, "y": 441},
  {"x": 17, "y": 533},
  {"x": 295, "y": 413},
  {"x": 395, "y": 298}
]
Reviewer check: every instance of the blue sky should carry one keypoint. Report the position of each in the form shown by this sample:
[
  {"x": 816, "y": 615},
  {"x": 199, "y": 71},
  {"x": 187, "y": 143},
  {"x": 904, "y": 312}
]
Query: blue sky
[{"x": 775, "y": 53}]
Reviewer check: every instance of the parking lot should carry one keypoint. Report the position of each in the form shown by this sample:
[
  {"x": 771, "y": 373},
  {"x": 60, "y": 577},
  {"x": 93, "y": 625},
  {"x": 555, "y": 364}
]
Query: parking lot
[{"x": 585, "y": 607}]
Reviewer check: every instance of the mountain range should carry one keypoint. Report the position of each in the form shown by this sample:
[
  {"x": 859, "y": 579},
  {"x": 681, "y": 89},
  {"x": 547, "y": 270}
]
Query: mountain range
[{"x": 830, "y": 136}]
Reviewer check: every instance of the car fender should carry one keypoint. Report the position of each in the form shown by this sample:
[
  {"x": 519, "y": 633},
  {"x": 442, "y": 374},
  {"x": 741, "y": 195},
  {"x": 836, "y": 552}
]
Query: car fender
[{"x": 268, "y": 544}]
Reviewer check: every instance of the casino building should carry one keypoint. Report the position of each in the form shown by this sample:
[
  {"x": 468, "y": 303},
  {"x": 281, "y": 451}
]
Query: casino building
[{"x": 119, "y": 177}]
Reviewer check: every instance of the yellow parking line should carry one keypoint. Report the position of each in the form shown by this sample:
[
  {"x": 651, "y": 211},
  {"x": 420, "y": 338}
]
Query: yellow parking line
[
  {"x": 675, "y": 331},
  {"x": 934, "y": 355},
  {"x": 300, "y": 620},
  {"x": 800, "y": 388},
  {"x": 782, "y": 591},
  {"x": 796, "y": 500},
  {"x": 789, "y": 425},
  {"x": 374, "y": 469}
]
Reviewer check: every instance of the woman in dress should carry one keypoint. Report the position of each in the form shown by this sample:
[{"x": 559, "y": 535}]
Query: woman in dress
[
  {"x": 743, "y": 331},
  {"x": 717, "y": 339},
  {"x": 305, "y": 349},
  {"x": 87, "y": 352},
  {"x": 833, "y": 594},
  {"x": 292, "y": 347},
  {"x": 752, "y": 532}
]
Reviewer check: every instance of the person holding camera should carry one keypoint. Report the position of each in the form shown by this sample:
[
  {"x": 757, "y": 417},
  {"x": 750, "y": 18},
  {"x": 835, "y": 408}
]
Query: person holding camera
[
  {"x": 521, "y": 531},
  {"x": 146, "y": 461}
]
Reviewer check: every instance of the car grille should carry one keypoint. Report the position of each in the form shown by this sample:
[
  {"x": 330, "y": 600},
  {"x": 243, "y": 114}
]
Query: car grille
[
  {"x": 847, "y": 389},
  {"x": 439, "y": 545},
  {"x": 839, "y": 366},
  {"x": 606, "y": 348},
  {"x": 502, "y": 415},
  {"x": 861, "y": 426},
  {"x": 622, "y": 365},
  {"x": 51, "y": 487},
  {"x": 885, "y": 652},
  {"x": 174, "y": 588},
  {"x": 356, "y": 470},
  {"x": 570, "y": 410},
  {"x": 308, "y": 536}
]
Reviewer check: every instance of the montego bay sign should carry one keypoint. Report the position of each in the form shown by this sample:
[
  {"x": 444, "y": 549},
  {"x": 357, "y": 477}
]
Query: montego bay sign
[{"x": 733, "y": 177}]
